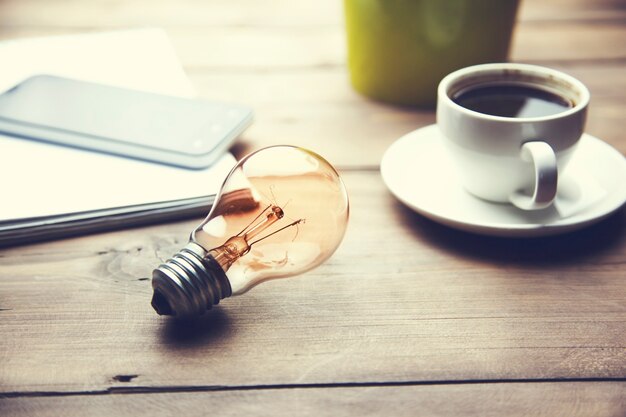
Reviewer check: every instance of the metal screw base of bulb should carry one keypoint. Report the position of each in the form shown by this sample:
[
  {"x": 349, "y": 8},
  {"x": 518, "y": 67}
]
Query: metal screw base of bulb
[{"x": 189, "y": 283}]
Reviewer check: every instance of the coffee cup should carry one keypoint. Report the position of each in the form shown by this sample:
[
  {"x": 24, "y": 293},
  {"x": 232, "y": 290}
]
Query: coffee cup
[{"x": 511, "y": 129}]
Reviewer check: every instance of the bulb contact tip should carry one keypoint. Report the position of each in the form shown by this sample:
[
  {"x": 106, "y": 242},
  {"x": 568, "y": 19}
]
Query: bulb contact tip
[
  {"x": 188, "y": 284},
  {"x": 160, "y": 304}
]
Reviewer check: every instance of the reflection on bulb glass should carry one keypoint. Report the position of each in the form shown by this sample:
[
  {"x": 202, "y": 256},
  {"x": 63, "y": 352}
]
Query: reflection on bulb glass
[{"x": 281, "y": 212}]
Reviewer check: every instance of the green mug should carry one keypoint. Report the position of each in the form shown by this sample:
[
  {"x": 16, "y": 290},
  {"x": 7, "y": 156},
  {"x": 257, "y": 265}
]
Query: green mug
[{"x": 399, "y": 50}]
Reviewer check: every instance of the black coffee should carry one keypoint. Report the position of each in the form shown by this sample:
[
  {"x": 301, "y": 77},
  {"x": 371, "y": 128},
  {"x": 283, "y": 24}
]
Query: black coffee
[{"x": 512, "y": 101}]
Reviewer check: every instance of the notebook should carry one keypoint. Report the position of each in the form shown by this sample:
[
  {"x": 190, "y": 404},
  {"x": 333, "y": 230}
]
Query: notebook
[{"x": 51, "y": 191}]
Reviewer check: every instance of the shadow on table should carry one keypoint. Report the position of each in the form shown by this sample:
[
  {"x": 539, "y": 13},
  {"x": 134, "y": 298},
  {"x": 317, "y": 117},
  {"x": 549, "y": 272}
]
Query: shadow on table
[
  {"x": 213, "y": 327},
  {"x": 568, "y": 248}
]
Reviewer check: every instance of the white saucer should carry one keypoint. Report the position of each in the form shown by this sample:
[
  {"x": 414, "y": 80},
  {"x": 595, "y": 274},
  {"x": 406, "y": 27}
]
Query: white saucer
[{"x": 418, "y": 171}]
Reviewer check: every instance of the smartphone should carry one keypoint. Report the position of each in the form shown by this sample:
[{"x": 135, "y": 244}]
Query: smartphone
[{"x": 176, "y": 131}]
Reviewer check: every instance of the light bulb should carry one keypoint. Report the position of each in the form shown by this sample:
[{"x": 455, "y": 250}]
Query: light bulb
[{"x": 281, "y": 211}]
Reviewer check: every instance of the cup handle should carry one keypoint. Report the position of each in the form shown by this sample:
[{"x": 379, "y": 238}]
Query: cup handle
[{"x": 546, "y": 177}]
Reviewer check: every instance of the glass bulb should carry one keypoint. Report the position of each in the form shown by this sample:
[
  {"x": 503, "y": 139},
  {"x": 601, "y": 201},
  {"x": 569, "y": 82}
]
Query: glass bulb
[{"x": 281, "y": 211}]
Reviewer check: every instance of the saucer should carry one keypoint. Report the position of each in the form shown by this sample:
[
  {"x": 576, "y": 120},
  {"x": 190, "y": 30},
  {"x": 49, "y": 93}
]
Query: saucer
[{"x": 419, "y": 172}]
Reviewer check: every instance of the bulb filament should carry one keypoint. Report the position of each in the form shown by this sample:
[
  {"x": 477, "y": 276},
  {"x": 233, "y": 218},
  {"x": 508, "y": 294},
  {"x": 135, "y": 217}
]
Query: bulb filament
[
  {"x": 275, "y": 214},
  {"x": 240, "y": 244}
]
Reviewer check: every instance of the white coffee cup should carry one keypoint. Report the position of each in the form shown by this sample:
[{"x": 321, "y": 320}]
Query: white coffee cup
[{"x": 511, "y": 159}]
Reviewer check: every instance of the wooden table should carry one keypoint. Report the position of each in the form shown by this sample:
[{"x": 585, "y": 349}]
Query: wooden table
[{"x": 407, "y": 318}]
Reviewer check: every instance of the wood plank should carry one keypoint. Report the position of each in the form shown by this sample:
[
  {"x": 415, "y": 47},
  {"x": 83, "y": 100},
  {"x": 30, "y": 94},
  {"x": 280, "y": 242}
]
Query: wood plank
[
  {"x": 262, "y": 48},
  {"x": 581, "y": 10},
  {"x": 352, "y": 131},
  {"x": 281, "y": 13},
  {"x": 317, "y": 108},
  {"x": 248, "y": 34},
  {"x": 403, "y": 299},
  {"x": 598, "y": 399},
  {"x": 262, "y": 67},
  {"x": 166, "y": 13},
  {"x": 569, "y": 41}
]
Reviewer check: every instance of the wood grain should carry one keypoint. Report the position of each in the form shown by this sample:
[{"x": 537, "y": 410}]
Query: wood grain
[
  {"x": 294, "y": 75},
  {"x": 402, "y": 300},
  {"x": 354, "y": 132},
  {"x": 69, "y": 14},
  {"x": 571, "y": 399},
  {"x": 276, "y": 47}
]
